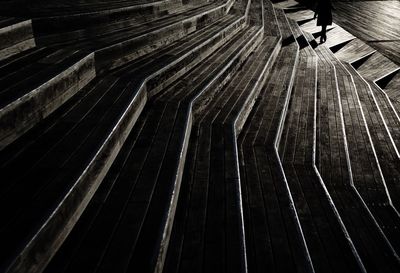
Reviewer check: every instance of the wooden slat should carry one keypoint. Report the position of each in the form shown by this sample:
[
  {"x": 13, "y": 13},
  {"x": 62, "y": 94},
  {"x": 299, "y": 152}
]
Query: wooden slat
[
  {"x": 376, "y": 67},
  {"x": 354, "y": 50},
  {"x": 334, "y": 169},
  {"x": 153, "y": 167},
  {"x": 369, "y": 20}
]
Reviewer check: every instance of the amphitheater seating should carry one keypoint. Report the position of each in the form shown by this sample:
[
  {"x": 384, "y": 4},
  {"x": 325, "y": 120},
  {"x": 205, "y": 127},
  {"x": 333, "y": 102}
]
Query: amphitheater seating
[
  {"x": 15, "y": 36},
  {"x": 194, "y": 136}
]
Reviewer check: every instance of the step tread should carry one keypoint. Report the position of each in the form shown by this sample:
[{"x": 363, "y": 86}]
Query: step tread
[
  {"x": 376, "y": 67},
  {"x": 354, "y": 50},
  {"x": 210, "y": 178},
  {"x": 334, "y": 171},
  {"x": 153, "y": 157},
  {"x": 366, "y": 171},
  {"x": 69, "y": 142}
]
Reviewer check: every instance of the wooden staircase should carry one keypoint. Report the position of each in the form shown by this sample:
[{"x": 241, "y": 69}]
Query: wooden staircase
[{"x": 193, "y": 136}]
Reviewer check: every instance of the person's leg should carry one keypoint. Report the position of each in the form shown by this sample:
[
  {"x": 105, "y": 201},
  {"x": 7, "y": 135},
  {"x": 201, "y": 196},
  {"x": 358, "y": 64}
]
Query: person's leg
[{"x": 323, "y": 33}]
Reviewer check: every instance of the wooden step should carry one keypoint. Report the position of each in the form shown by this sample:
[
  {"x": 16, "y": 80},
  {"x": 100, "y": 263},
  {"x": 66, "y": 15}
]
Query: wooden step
[
  {"x": 78, "y": 147},
  {"x": 62, "y": 7},
  {"x": 129, "y": 49},
  {"x": 15, "y": 36},
  {"x": 337, "y": 36},
  {"x": 271, "y": 27},
  {"x": 373, "y": 184},
  {"x": 208, "y": 213},
  {"x": 300, "y": 15},
  {"x": 354, "y": 50},
  {"x": 333, "y": 163},
  {"x": 156, "y": 150},
  {"x": 376, "y": 67},
  {"x": 132, "y": 26},
  {"x": 329, "y": 245},
  {"x": 22, "y": 107},
  {"x": 52, "y": 23},
  {"x": 266, "y": 196},
  {"x": 58, "y": 76}
]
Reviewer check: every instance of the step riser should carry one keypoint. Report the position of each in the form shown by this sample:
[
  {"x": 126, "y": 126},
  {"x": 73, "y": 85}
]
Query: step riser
[
  {"x": 17, "y": 48},
  {"x": 174, "y": 197},
  {"x": 216, "y": 84},
  {"x": 69, "y": 23},
  {"x": 15, "y": 39},
  {"x": 286, "y": 106},
  {"x": 248, "y": 106},
  {"x": 170, "y": 74},
  {"x": 122, "y": 53},
  {"x": 52, "y": 234},
  {"x": 22, "y": 114}
]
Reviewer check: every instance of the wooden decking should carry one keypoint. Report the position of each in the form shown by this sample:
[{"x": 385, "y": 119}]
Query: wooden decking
[
  {"x": 375, "y": 22},
  {"x": 197, "y": 136}
]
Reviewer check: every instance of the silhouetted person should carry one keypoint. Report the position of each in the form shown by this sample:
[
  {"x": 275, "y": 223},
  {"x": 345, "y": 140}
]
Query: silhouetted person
[{"x": 324, "y": 12}]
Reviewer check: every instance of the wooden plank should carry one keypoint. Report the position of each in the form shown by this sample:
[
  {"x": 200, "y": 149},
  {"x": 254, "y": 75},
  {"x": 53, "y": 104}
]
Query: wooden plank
[
  {"x": 376, "y": 67},
  {"x": 354, "y": 50},
  {"x": 335, "y": 173}
]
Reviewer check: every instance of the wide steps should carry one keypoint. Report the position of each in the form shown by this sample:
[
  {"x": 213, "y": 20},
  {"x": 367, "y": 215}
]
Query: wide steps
[
  {"x": 332, "y": 164},
  {"x": 130, "y": 28},
  {"x": 206, "y": 235},
  {"x": 96, "y": 15},
  {"x": 194, "y": 136},
  {"x": 153, "y": 157},
  {"x": 353, "y": 51},
  {"x": 367, "y": 175},
  {"x": 326, "y": 242},
  {"x": 266, "y": 199},
  {"x": 59, "y": 73},
  {"x": 376, "y": 67},
  {"x": 87, "y": 134},
  {"x": 15, "y": 36}
]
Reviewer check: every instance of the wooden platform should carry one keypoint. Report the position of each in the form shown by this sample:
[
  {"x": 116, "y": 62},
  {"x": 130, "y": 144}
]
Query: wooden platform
[
  {"x": 376, "y": 22},
  {"x": 197, "y": 136}
]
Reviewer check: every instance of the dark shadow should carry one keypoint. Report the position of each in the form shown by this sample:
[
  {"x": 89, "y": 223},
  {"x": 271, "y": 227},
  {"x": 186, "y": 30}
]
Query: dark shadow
[
  {"x": 313, "y": 44},
  {"x": 289, "y": 40},
  {"x": 318, "y": 34},
  {"x": 382, "y": 83},
  {"x": 360, "y": 61},
  {"x": 302, "y": 41},
  {"x": 294, "y": 9},
  {"x": 338, "y": 47}
]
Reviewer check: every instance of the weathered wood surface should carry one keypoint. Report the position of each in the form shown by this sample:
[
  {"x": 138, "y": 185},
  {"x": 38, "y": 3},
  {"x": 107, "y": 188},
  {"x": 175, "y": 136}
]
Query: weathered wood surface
[
  {"x": 333, "y": 165},
  {"x": 150, "y": 159},
  {"x": 267, "y": 201},
  {"x": 310, "y": 198},
  {"x": 87, "y": 132},
  {"x": 376, "y": 67},
  {"x": 369, "y": 20},
  {"x": 371, "y": 175},
  {"x": 49, "y": 76},
  {"x": 375, "y": 22},
  {"x": 16, "y": 36},
  {"x": 273, "y": 154},
  {"x": 354, "y": 50}
]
